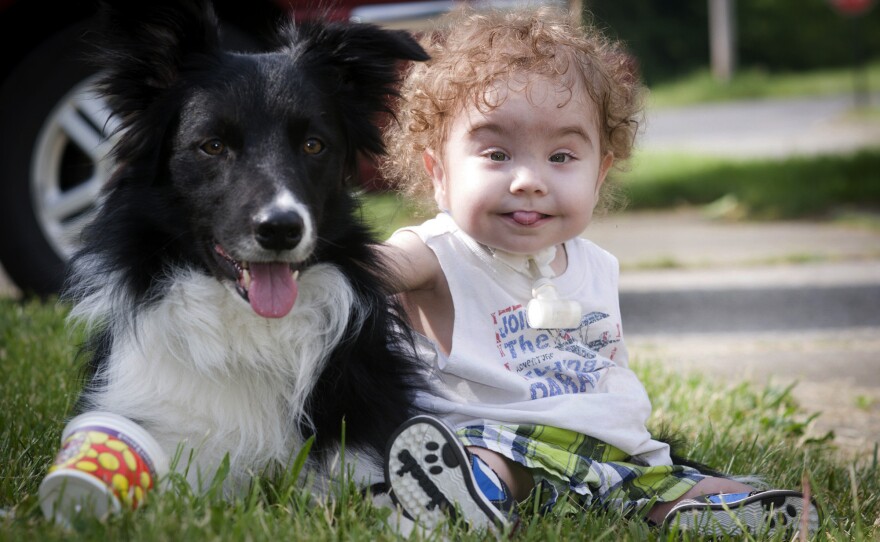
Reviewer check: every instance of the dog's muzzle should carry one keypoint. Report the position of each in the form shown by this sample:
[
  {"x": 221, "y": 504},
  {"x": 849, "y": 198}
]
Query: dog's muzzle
[{"x": 270, "y": 287}]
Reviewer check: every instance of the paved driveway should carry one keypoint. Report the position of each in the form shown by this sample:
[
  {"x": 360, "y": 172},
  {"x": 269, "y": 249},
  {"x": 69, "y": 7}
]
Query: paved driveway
[{"x": 764, "y": 128}]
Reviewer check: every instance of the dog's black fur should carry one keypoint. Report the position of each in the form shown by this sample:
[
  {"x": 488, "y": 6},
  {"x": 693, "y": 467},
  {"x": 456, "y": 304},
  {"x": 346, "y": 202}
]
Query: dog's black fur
[{"x": 227, "y": 158}]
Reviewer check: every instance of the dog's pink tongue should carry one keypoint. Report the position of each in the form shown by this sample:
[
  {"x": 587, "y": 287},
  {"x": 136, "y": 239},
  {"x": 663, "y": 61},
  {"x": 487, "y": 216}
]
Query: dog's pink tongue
[{"x": 272, "y": 291}]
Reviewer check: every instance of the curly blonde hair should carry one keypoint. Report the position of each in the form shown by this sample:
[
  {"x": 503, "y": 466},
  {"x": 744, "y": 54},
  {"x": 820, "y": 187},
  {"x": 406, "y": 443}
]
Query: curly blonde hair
[{"x": 475, "y": 49}]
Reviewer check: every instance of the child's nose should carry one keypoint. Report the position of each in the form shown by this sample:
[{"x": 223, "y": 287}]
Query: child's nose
[{"x": 528, "y": 180}]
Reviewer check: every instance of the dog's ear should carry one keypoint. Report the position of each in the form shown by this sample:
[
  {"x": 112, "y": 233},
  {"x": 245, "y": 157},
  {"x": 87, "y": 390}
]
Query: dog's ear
[
  {"x": 142, "y": 46},
  {"x": 366, "y": 58}
]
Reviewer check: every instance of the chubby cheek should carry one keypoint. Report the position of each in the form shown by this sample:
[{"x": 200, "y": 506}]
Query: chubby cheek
[
  {"x": 468, "y": 205},
  {"x": 579, "y": 209}
]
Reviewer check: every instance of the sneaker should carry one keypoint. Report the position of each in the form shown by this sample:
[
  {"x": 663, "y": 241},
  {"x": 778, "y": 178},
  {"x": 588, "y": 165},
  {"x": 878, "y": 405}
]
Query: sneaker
[
  {"x": 759, "y": 513},
  {"x": 433, "y": 478}
]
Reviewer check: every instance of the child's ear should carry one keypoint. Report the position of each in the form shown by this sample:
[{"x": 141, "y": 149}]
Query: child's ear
[
  {"x": 604, "y": 168},
  {"x": 435, "y": 170}
]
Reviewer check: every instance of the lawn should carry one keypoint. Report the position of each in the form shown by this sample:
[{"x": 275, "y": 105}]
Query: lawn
[
  {"x": 791, "y": 188},
  {"x": 738, "y": 428}
]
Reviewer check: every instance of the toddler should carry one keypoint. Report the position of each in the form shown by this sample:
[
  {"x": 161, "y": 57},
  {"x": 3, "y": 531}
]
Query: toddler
[{"x": 513, "y": 126}]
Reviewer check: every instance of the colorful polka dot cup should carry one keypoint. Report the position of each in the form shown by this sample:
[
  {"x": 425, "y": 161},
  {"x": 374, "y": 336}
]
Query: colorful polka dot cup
[{"x": 106, "y": 462}]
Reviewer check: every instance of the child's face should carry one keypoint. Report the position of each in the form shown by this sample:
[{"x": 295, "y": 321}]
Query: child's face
[{"x": 526, "y": 175}]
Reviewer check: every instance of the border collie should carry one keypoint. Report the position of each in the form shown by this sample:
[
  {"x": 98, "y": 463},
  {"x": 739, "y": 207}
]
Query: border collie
[{"x": 233, "y": 299}]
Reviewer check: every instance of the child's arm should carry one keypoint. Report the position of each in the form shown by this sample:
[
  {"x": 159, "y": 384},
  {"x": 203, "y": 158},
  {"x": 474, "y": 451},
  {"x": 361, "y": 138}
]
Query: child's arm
[
  {"x": 422, "y": 287},
  {"x": 415, "y": 266}
]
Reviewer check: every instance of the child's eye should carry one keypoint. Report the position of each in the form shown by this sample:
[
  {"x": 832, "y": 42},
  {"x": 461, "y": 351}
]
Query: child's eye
[
  {"x": 560, "y": 158},
  {"x": 497, "y": 156}
]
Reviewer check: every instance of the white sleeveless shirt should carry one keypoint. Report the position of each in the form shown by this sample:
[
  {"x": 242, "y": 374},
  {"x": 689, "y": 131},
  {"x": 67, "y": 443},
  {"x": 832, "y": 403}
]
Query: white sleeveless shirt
[{"x": 501, "y": 371}]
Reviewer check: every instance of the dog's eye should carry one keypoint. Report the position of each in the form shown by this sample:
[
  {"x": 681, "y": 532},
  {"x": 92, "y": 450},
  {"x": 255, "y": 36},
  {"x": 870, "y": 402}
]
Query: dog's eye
[
  {"x": 313, "y": 146},
  {"x": 213, "y": 147}
]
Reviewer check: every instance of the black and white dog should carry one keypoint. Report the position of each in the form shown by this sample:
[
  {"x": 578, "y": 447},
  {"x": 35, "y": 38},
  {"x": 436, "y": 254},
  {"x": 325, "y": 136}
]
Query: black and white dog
[{"x": 233, "y": 298}]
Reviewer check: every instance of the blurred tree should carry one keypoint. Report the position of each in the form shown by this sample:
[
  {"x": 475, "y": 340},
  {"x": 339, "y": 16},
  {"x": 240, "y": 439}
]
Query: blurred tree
[
  {"x": 671, "y": 38},
  {"x": 668, "y": 38},
  {"x": 800, "y": 34}
]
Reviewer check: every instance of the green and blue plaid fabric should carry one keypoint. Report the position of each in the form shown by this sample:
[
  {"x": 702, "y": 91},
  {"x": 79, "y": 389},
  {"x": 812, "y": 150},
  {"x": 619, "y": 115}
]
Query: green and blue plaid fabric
[{"x": 574, "y": 472}]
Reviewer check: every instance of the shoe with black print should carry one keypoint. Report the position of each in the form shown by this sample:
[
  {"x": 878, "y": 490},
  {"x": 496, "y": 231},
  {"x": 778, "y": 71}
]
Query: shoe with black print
[
  {"x": 759, "y": 513},
  {"x": 433, "y": 478}
]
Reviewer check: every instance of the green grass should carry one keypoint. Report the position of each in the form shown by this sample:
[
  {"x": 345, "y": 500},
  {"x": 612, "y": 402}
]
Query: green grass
[
  {"x": 388, "y": 211},
  {"x": 753, "y": 84},
  {"x": 739, "y": 428},
  {"x": 797, "y": 187}
]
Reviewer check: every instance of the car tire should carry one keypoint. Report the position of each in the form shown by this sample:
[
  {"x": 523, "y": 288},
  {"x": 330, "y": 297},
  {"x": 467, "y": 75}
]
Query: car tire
[{"x": 40, "y": 170}]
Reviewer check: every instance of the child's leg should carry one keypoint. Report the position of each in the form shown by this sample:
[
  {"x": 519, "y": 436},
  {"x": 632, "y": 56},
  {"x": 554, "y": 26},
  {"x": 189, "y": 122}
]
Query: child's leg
[
  {"x": 431, "y": 474},
  {"x": 518, "y": 480},
  {"x": 723, "y": 507},
  {"x": 706, "y": 486}
]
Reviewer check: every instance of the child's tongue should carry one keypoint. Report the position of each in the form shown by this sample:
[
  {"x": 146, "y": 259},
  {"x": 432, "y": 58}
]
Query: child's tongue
[
  {"x": 272, "y": 290},
  {"x": 526, "y": 218}
]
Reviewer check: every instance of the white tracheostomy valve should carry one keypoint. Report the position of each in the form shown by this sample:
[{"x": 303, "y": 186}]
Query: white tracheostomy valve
[{"x": 547, "y": 311}]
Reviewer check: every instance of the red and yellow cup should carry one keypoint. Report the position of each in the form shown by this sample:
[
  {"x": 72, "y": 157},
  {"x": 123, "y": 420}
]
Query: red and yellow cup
[{"x": 106, "y": 462}]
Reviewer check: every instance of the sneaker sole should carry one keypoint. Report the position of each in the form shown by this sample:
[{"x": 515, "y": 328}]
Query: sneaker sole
[
  {"x": 427, "y": 469},
  {"x": 750, "y": 513}
]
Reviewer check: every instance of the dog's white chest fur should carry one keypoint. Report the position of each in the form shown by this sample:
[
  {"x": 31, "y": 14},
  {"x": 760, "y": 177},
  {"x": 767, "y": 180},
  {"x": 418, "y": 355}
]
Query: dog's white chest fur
[{"x": 200, "y": 369}]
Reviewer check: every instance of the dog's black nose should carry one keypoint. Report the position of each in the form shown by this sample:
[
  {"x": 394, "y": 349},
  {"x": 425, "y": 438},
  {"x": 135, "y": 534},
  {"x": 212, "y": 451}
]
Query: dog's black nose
[{"x": 279, "y": 230}]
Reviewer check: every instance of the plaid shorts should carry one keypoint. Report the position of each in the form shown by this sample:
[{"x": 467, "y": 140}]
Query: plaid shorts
[{"x": 573, "y": 471}]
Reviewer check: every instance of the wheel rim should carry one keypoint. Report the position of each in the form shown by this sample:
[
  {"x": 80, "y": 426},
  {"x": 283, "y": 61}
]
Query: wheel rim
[{"x": 70, "y": 165}]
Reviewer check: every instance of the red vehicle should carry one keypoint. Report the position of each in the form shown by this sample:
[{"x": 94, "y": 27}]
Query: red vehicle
[{"x": 55, "y": 132}]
